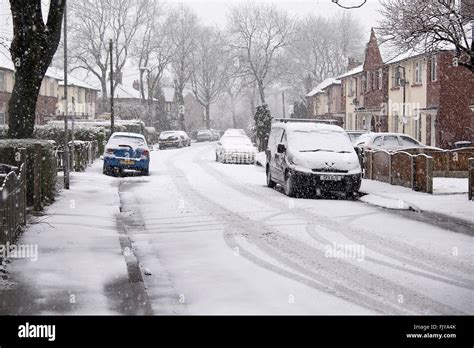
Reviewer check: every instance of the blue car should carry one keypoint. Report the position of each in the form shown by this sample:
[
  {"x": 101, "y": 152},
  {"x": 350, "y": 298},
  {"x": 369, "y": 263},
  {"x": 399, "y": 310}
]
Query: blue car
[{"x": 126, "y": 151}]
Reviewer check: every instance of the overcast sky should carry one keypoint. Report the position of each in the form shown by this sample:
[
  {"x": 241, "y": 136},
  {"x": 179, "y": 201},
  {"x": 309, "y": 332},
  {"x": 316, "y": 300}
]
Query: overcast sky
[{"x": 214, "y": 11}]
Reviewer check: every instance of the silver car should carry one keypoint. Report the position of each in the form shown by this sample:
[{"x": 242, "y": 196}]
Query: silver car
[{"x": 388, "y": 142}]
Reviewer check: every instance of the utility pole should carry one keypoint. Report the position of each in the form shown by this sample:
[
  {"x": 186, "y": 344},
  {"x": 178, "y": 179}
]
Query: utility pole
[
  {"x": 112, "y": 121},
  {"x": 283, "y": 102},
  {"x": 66, "y": 145},
  {"x": 72, "y": 134}
]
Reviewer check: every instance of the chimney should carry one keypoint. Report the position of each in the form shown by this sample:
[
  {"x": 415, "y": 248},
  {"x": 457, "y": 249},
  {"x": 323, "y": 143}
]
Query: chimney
[{"x": 352, "y": 63}]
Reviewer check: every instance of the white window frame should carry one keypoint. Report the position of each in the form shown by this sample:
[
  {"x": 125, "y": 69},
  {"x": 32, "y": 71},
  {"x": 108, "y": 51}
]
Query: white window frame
[
  {"x": 380, "y": 78},
  {"x": 3, "y": 85},
  {"x": 418, "y": 72},
  {"x": 434, "y": 69}
]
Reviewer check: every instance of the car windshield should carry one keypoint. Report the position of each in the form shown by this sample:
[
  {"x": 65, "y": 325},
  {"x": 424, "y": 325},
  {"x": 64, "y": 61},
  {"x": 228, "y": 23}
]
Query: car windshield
[
  {"x": 231, "y": 140},
  {"x": 165, "y": 135},
  {"x": 319, "y": 140},
  {"x": 363, "y": 138},
  {"x": 128, "y": 138},
  {"x": 354, "y": 136}
]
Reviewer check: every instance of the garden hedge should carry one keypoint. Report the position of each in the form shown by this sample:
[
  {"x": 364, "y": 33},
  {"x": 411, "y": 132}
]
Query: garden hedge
[{"x": 48, "y": 174}]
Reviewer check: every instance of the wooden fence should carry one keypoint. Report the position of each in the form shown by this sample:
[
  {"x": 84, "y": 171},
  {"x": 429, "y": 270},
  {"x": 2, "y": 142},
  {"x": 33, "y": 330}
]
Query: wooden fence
[
  {"x": 12, "y": 204},
  {"x": 85, "y": 152},
  {"x": 415, "y": 168}
]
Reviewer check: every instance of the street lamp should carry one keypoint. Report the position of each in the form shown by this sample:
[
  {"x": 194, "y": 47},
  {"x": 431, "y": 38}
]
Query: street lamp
[
  {"x": 147, "y": 69},
  {"x": 402, "y": 82}
]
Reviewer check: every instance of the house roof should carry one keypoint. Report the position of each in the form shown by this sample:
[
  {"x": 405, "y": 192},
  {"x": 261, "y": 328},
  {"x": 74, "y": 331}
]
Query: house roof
[
  {"x": 326, "y": 83},
  {"x": 7, "y": 64},
  {"x": 351, "y": 72},
  {"x": 73, "y": 81}
]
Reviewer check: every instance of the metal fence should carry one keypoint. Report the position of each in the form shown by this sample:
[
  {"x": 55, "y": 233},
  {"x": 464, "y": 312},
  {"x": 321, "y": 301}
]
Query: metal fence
[{"x": 12, "y": 204}]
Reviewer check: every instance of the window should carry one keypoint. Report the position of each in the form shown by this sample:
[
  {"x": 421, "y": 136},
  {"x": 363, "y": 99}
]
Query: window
[
  {"x": 434, "y": 68},
  {"x": 395, "y": 78},
  {"x": 2, "y": 118},
  {"x": 390, "y": 140},
  {"x": 374, "y": 80},
  {"x": 380, "y": 78},
  {"x": 406, "y": 141},
  {"x": 367, "y": 82},
  {"x": 52, "y": 90},
  {"x": 2, "y": 81},
  {"x": 378, "y": 141},
  {"x": 418, "y": 72}
]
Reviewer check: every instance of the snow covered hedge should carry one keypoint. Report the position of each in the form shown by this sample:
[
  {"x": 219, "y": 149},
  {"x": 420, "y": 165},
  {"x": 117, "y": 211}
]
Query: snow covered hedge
[{"x": 48, "y": 174}]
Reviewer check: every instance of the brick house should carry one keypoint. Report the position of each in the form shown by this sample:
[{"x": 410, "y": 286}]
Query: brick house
[
  {"x": 352, "y": 96},
  {"x": 48, "y": 93},
  {"x": 372, "y": 114},
  {"x": 434, "y": 118},
  {"x": 325, "y": 101},
  {"x": 82, "y": 99}
]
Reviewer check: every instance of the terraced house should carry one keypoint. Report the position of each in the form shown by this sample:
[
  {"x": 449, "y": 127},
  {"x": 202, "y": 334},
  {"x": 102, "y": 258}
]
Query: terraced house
[
  {"x": 48, "y": 94},
  {"x": 401, "y": 92}
]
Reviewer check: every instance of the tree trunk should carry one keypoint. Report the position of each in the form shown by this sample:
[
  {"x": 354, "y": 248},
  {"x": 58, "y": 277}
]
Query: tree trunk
[
  {"x": 208, "y": 116},
  {"x": 32, "y": 49},
  {"x": 261, "y": 91},
  {"x": 233, "y": 111}
]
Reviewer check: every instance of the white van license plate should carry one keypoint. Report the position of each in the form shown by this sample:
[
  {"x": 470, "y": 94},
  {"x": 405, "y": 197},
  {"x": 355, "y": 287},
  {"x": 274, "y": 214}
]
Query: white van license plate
[{"x": 330, "y": 178}]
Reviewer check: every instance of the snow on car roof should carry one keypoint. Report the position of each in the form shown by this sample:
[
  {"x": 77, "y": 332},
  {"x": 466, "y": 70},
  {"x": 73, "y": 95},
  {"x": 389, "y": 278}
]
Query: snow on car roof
[
  {"x": 128, "y": 134},
  {"x": 309, "y": 126}
]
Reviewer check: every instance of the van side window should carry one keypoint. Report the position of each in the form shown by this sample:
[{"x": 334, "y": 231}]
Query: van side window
[{"x": 378, "y": 141}]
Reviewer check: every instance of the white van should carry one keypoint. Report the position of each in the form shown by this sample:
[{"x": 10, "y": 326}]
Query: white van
[{"x": 303, "y": 155}]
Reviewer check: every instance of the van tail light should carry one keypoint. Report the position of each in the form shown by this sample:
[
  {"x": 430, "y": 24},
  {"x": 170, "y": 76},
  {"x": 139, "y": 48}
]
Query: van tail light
[
  {"x": 109, "y": 151},
  {"x": 145, "y": 153}
]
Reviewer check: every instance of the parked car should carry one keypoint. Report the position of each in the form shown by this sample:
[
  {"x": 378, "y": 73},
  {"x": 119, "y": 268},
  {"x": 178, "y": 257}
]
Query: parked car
[
  {"x": 312, "y": 156},
  {"x": 355, "y": 134},
  {"x": 204, "y": 135},
  {"x": 216, "y": 134},
  {"x": 186, "y": 140},
  {"x": 126, "y": 151},
  {"x": 388, "y": 142},
  {"x": 170, "y": 139},
  {"x": 235, "y": 149},
  {"x": 234, "y": 132}
]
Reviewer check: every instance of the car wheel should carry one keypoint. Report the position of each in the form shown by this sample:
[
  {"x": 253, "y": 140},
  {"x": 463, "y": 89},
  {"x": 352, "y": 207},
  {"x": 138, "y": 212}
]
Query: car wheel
[
  {"x": 106, "y": 170},
  {"x": 217, "y": 157},
  {"x": 290, "y": 188},
  {"x": 145, "y": 171},
  {"x": 270, "y": 182}
]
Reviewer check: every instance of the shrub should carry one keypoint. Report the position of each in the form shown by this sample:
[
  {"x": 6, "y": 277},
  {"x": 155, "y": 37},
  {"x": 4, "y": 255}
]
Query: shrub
[{"x": 48, "y": 174}]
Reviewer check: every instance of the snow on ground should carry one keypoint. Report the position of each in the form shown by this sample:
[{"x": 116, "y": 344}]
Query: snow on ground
[
  {"x": 215, "y": 240},
  {"x": 213, "y": 211},
  {"x": 79, "y": 256},
  {"x": 391, "y": 196},
  {"x": 450, "y": 185}
]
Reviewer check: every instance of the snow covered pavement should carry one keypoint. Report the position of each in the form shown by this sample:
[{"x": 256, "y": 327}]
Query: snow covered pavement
[{"x": 211, "y": 238}]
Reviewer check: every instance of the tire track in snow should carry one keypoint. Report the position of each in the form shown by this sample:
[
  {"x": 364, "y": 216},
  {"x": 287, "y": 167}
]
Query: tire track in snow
[
  {"x": 309, "y": 260},
  {"x": 402, "y": 252}
]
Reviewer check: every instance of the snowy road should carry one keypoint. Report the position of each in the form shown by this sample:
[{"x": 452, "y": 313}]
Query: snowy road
[{"x": 218, "y": 241}]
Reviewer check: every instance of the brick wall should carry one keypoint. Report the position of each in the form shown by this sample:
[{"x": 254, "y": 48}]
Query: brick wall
[{"x": 455, "y": 118}]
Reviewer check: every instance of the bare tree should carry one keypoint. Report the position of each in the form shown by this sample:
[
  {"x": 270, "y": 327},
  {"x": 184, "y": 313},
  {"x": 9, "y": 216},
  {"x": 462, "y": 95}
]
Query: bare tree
[
  {"x": 209, "y": 71},
  {"x": 321, "y": 50},
  {"x": 94, "y": 23},
  {"x": 184, "y": 38},
  {"x": 430, "y": 25},
  {"x": 32, "y": 49},
  {"x": 259, "y": 33},
  {"x": 154, "y": 48}
]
